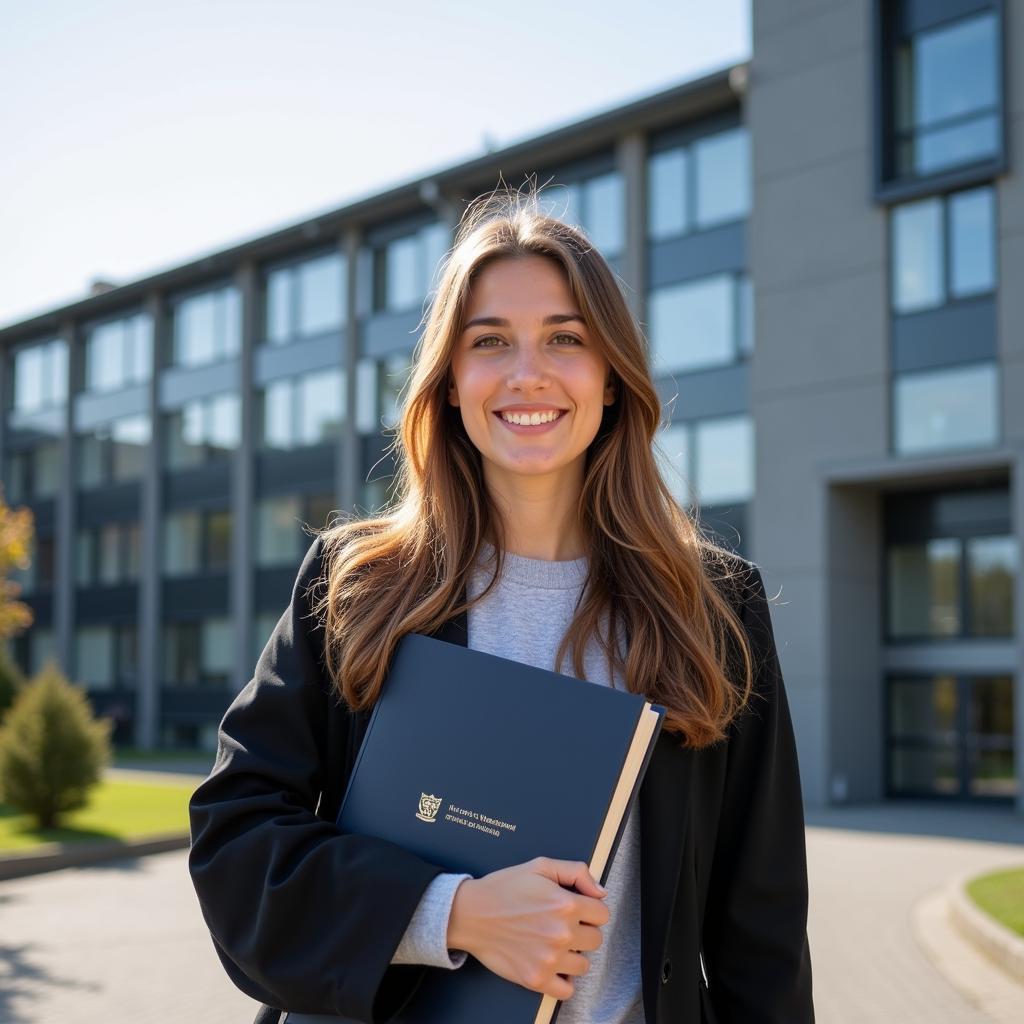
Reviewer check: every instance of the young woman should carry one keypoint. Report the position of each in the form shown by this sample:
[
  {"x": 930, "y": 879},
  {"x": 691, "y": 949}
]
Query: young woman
[{"x": 530, "y": 522}]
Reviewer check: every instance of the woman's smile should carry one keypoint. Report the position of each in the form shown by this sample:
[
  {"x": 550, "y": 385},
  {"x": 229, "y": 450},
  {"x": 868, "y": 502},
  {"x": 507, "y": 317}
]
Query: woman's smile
[{"x": 525, "y": 422}]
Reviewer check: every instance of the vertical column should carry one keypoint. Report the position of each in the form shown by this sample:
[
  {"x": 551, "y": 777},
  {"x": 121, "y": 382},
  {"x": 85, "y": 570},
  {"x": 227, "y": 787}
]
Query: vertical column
[
  {"x": 349, "y": 458},
  {"x": 242, "y": 479},
  {"x": 631, "y": 157},
  {"x": 64, "y": 568},
  {"x": 147, "y": 697}
]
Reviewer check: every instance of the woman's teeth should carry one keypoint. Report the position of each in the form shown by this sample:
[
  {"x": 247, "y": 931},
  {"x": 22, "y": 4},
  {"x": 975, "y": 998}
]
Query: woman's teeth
[{"x": 530, "y": 418}]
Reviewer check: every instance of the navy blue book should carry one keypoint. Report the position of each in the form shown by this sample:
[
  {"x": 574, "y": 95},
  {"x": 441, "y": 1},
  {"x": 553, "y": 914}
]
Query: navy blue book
[{"x": 477, "y": 762}]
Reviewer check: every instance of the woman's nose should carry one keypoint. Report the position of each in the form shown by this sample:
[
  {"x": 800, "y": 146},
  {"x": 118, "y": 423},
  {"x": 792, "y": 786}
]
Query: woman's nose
[{"x": 527, "y": 369}]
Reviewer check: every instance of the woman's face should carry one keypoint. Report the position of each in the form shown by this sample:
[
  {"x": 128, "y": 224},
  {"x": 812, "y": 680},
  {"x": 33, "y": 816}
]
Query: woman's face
[{"x": 525, "y": 354}]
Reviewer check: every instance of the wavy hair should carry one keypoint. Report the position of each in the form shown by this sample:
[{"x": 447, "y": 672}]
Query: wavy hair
[{"x": 651, "y": 570}]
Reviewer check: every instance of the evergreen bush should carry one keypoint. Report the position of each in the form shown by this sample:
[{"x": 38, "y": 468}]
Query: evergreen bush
[{"x": 52, "y": 748}]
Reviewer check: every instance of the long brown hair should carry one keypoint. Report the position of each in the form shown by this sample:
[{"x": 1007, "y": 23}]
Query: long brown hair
[{"x": 651, "y": 569}]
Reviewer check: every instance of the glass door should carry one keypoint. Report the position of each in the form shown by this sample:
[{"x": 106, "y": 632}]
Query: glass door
[{"x": 951, "y": 737}]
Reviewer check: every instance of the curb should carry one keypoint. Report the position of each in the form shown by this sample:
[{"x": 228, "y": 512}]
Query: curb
[
  {"x": 985, "y": 933},
  {"x": 54, "y": 856}
]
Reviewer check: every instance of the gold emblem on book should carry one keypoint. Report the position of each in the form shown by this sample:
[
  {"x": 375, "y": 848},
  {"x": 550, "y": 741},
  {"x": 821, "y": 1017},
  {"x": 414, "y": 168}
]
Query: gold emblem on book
[{"x": 428, "y": 808}]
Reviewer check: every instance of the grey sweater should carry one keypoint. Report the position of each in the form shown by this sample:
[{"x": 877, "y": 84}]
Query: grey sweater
[{"x": 538, "y": 597}]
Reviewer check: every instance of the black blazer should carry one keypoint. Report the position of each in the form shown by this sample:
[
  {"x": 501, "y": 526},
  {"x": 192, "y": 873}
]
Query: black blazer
[{"x": 306, "y": 918}]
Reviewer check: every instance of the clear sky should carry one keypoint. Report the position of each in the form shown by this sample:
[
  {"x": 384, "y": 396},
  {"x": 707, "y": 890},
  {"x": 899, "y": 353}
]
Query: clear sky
[{"x": 135, "y": 135}]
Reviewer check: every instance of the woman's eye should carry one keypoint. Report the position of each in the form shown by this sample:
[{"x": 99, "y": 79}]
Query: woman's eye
[
  {"x": 569, "y": 337},
  {"x": 482, "y": 342},
  {"x": 479, "y": 343}
]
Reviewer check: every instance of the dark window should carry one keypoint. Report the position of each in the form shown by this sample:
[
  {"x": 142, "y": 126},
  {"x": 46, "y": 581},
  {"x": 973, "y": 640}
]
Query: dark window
[{"x": 940, "y": 77}]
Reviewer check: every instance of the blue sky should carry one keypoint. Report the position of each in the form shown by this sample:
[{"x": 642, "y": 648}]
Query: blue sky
[{"x": 137, "y": 135}]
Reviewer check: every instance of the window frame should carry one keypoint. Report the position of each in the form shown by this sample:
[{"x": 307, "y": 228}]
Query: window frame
[{"x": 888, "y": 187}]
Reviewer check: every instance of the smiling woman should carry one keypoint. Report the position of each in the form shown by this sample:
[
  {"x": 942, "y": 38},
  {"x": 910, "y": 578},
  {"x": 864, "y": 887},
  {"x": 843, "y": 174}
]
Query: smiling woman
[
  {"x": 530, "y": 522},
  {"x": 532, "y": 395}
]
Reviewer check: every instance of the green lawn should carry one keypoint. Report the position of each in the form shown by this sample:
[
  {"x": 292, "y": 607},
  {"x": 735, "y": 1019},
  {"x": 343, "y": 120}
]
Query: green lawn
[
  {"x": 1001, "y": 894},
  {"x": 116, "y": 810}
]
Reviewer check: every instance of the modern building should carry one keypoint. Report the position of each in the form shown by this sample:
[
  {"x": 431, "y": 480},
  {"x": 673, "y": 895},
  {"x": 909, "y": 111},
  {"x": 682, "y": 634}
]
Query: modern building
[{"x": 826, "y": 248}]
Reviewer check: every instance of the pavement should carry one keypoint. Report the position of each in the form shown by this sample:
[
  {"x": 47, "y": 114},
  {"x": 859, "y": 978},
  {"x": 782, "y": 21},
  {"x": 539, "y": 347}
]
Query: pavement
[{"x": 126, "y": 941}]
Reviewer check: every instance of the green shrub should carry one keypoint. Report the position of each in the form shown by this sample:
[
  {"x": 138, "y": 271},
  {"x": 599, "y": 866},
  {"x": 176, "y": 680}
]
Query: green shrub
[
  {"x": 52, "y": 749},
  {"x": 11, "y": 680}
]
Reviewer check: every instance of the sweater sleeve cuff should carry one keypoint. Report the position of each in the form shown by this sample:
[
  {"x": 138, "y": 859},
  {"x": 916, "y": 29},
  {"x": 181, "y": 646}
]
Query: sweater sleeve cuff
[{"x": 426, "y": 937}]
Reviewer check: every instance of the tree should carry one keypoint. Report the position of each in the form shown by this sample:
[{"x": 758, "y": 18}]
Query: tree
[
  {"x": 52, "y": 748},
  {"x": 11, "y": 680},
  {"x": 16, "y": 536}
]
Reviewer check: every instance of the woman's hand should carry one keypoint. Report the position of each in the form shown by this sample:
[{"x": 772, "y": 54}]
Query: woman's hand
[{"x": 522, "y": 924}]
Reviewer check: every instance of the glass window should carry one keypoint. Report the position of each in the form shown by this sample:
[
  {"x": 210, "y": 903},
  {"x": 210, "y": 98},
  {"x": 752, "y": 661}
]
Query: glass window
[
  {"x": 992, "y": 564},
  {"x": 279, "y": 315},
  {"x": 672, "y": 454},
  {"x": 84, "y": 545},
  {"x": 128, "y": 654},
  {"x": 218, "y": 541},
  {"x": 725, "y": 460},
  {"x": 321, "y": 406},
  {"x": 561, "y": 202},
  {"x": 182, "y": 532},
  {"x": 668, "y": 211},
  {"x": 319, "y": 508},
  {"x": 946, "y": 409},
  {"x": 436, "y": 239},
  {"x": 722, "y": 166},
  {"x": 207, "y": 327},
  {"x": 948, "y": 96},
  {"x": 119, "y": 353},
  {"x": 366, "y": 397},
  {"x": 693, "y": 325},
  {"x": 923, "y": 278},
  {"x": 30, "y": 378},
  {"x": 224, "y": 434},
  {"x": 133, "y": 564},
  {"x": 40, "y": 376},
  {"x": 924, "y": 589},
  {"x": 217, "y": 653},
  {"x": 276, "y": 430},
  {"x": 277, "y": 531},
  {"x": 401, "y": 269},
  {"x": 181, "y": 654},
  {"x": 990, "y": 738},
  {"x": 918, "y": 256},
  {"x": 972, "y": 242},
  {"x": 321, "y": 287},
  {"x": 923, "y": 708},
  {"x": 130, "y": 442},
  {"x": 604, "y": 207},
  {"x": 110, "y": 553},
  {"x": 91, "y": 459},
  {"x": 184, "y": 436},
  {"x": 746, "y": 314},
  {"x": 46, "y": 465},
  {"x": 104, "y": 356},
  {"x": 94, "y": 657}
]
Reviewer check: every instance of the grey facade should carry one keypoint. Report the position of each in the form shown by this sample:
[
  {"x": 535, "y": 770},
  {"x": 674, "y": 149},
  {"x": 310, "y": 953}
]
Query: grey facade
[{"x": 841, "y": 406}]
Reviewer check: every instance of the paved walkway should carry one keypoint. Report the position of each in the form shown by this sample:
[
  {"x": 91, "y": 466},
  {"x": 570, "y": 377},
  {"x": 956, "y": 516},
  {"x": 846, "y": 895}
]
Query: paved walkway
[{"x": 126, "y": 942}]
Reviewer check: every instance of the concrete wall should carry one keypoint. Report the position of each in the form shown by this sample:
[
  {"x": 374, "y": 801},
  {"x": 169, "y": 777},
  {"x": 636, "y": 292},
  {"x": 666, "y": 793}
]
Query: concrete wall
[{"x": 819, "y": 385}]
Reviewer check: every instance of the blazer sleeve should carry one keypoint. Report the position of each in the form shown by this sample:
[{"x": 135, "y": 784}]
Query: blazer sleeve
[
  {"x": 757, "y": 958},
  {"x": 303, "y": 916}
]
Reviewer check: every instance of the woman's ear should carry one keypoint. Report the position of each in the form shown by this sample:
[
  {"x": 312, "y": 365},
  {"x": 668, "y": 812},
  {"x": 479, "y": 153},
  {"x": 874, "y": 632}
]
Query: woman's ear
[
  {"x": 610, "y": 390},
  {"x": 453, "y": 392}
]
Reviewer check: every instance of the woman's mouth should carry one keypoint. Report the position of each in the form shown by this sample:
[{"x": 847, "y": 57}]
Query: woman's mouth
[{"x": 526, "y": 425}]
